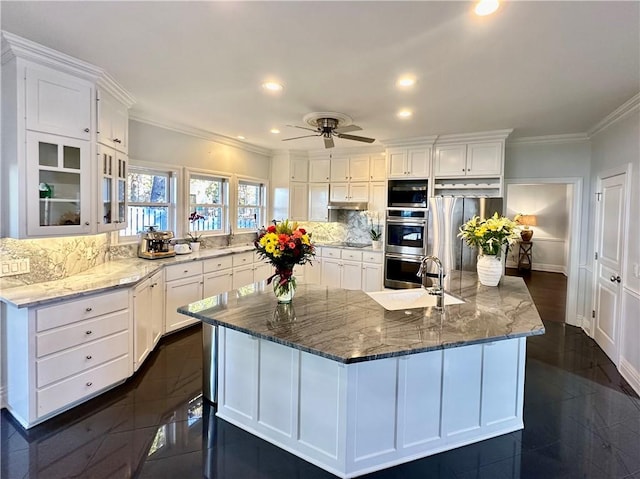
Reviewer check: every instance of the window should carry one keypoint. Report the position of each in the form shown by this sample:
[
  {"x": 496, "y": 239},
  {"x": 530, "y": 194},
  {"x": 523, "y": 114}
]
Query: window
[
  {"x": 208, "y": 198},
  {"x": 149, "y": 200},
  {"x": 251, "y": 205}
]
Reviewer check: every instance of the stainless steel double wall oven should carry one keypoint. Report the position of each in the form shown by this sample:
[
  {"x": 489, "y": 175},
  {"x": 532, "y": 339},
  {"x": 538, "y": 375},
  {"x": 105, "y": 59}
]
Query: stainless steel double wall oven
[{"x": 406, "y": 232}]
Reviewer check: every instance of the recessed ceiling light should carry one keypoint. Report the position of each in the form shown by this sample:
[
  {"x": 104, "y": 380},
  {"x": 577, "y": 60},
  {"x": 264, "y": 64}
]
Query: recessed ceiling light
[
  {"x": 405, "y": 114},
  {"x": 240, "y": 137},
  {"x": 486, "y": 7},
  {"x": 275, "y": 131},
  {"x": 406, "y": 81},
  {"x": 272, "y": 86}
]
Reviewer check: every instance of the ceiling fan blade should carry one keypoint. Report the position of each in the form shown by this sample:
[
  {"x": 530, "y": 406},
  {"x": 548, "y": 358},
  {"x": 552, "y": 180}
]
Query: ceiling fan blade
[
  {"x": 302, "y": 127},
  {"x": 328, "y": 142},
  {"x": 347, "y": 129},
  {"x": 356, "y": 138},
  {"x": 298, "y": 137}
]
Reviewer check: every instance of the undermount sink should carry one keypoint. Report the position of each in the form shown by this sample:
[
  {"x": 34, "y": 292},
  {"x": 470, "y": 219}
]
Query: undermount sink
[{"x": 393, "y": 300}]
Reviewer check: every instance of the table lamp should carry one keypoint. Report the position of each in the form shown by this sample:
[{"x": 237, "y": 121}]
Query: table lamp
[{"x": 527, "y": 220}]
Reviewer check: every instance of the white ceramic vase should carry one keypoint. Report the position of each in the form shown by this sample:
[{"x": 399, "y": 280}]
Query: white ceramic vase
[
  {"x": 195, "y": 246},
  {"x": 489, "y": 269},
  {"x": 376, "y": 244}
]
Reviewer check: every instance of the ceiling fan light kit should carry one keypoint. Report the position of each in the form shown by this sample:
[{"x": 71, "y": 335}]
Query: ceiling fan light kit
[{"x": 330, "y": 124}]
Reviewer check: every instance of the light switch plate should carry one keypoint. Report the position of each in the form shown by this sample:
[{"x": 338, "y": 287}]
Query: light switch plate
[{"x": 12, "y": 267}]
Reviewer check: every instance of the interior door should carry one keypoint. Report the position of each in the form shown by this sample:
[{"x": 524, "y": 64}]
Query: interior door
[{"x": 610, "y": 224}]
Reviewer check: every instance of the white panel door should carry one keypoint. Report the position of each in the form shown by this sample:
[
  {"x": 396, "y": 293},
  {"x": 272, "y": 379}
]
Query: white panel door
[
  {"x": 359, "y": 192},
  {"x": 339, "y": 192},
  {"x": 339, "y": 169},
  {"x": 378, "y": 168},
  {"x": 371, "y": 277},
  {"x": 331, "y": 269},
  {"x": 217, "y": 283},
  {"x": 240, "y": 362},
  {"x": 461, "y": 390},
  {"x": 276, "y": 384},
  {"x": 610, "y": 214},
  {"x": 378, "y": 198},
  {"x": 298, "y": 201},
  {"x": 142, "y": 339},
  {"x": 397, "y": 163},
  {"x": 179, "y": 293},
  {"x": 500, "y": 371},
  {"x": 359, "y": 168},
  {"x": 319, "y": 171},
  {"x": 451, "y": 161},
  {"x": 351, "y": 275},
  {"x": 419, "y": 162},
  {"x": 318, "y": 200},
  {"x": 157, "y": 307},
  {"x": 484, "y": 159}
]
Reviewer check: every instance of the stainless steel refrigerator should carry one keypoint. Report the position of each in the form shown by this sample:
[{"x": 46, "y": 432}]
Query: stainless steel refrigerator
[{"x": 446, "y": 215}]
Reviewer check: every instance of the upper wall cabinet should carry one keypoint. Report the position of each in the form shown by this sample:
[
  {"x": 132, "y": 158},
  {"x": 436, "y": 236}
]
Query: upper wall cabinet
[
  {"x": 414, "y": 162},
  {"x": 113, "y": 122},
  {"x": 354, "y": 168},
  {"x": 299, "y": 169},
  {"x": 58, "y": 103},
  {"x": 319, "y": 171},
  {"x": 473, "y": 159},
  {"x": 378, "y": 168},
  {"x": 50, "y": 184}
]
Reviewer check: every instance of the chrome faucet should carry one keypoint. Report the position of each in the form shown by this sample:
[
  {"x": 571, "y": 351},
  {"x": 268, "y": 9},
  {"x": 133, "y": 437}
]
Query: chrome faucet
[{"x": 434, "y": 290}]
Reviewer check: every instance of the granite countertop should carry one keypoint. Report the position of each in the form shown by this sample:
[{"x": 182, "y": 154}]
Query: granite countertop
[
  {"x": 123, "y": 273},
  {"x": 348, "y": 326}
]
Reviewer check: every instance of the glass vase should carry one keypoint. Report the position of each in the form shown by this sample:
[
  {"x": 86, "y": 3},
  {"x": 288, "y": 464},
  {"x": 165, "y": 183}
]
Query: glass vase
[{"x": 284, "y": 285}]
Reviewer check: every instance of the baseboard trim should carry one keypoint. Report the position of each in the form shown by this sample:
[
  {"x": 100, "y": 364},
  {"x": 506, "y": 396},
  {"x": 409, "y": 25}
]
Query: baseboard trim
[
  {"x": 632, "y": 376},
  {"x": 546, "y": 268}
]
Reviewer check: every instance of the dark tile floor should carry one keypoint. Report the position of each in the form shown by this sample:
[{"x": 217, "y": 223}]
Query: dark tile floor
[{"x": 582, "y": 420}]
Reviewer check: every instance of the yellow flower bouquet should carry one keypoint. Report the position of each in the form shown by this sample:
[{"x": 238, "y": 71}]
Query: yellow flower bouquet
[{"x": 490, "y": 234}]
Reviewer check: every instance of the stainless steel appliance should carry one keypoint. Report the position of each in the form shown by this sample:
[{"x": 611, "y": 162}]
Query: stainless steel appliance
[
  {"x": 446, "y": 215},
  {"x": 405, "y": 245},
  {"x": 155, "y": 244},
  {"x": 408, "y": 193}
]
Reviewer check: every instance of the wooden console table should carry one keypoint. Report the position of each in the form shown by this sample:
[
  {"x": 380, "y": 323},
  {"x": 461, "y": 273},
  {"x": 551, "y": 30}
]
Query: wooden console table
[{"x": 525, "y": 254}]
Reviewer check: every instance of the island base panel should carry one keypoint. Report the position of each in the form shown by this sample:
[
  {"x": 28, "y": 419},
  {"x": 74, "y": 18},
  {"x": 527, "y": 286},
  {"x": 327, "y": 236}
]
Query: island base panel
[{"x": 352, "y": 419}]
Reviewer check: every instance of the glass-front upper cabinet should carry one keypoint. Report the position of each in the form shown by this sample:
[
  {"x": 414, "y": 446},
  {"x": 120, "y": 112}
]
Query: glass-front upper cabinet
[
  {"x": 112, "y": 209},
  {"x": 58, "y": 185}
]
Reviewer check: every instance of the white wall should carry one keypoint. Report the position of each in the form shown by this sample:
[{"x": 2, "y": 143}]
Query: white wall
[
  {"x": 556, "y": 159},
  {"x": 548, "y": 202},
  {"x": 154, "y": 144},
  {"x": 617, "y": 146}
]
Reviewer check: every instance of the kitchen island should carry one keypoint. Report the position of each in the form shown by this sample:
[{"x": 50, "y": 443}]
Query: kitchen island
[{"x": 347, "y": 385}]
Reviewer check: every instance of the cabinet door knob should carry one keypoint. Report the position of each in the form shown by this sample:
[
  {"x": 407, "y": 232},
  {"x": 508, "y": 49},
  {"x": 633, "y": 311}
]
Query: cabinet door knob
[
  {"x": 88, "y": 332},
  {"x": 89, "y": 384},
  {"x": 89, "y": 356},
  {"x": 88, "y": 310},
  {"x": 86, "y": 223},
  {"x": 86, "y": 130},
  {"x": 462, "y": 169}
]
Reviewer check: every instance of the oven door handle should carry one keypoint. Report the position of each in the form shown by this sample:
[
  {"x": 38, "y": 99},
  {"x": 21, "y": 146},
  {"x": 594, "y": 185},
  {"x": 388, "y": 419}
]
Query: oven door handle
[
  {"x": 404, "y": 258},
  {"x": 407, "y": 222}
]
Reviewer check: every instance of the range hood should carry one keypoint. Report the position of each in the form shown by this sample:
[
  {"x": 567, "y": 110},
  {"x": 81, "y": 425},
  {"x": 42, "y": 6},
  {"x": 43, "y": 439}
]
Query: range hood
[{"x": 343, "y": 205}]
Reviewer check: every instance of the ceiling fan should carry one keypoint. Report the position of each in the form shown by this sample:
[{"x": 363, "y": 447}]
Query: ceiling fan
[{"x": 328, "y": 124}]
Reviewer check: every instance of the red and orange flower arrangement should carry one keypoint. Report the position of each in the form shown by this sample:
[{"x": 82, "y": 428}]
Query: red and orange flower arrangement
[{"x": 284, "y": 245}]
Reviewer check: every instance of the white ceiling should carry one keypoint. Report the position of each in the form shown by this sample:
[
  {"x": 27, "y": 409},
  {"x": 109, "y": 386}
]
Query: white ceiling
[{"x": 538, "y": 67}]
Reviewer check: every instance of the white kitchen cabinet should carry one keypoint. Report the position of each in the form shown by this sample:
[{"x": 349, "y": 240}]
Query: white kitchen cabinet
[
  {"x": 299, "y": 169},
  {"x": 473, "y": 159},
  {"x": 378, "y": 198},
  {"x": 319, "y": 171},
  {"x": 58, "y": 103},
  {"x": 262, "y": 271},
  {"x": 112, "y": 189},
  {"x": 350, "y": 169},
  {"x": 339, "y": 273},
  {"x": 378, "y": 168},
  {"x": 372, "y": 271},
  {"x": 62, "y": 354},
  {"x": 242, "y": 276},
  {"x": 217, "y": 283},
  {"x": 113, "y": 122},
  {"x": 349, "y": 192},
  {"x": 318, "y": 202},
  {"x": 298, "y": 201},
  {"x": 313, "y": 272},
  {"x": 412, "y": 162},
  {"x": 183, "y": 285},
  {"x": 58, "y": 185},
  {"x": 148, "y": 314}
]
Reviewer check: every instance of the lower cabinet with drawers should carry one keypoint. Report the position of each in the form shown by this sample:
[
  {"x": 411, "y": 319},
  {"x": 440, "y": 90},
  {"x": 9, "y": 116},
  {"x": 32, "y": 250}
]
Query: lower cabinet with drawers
[
  {"x": 60, "y": 355},
  {"x": 351, "y": 269}
]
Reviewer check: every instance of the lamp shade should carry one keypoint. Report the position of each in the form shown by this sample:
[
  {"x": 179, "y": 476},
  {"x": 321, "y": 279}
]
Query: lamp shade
[{"x": 528, "y": 220}]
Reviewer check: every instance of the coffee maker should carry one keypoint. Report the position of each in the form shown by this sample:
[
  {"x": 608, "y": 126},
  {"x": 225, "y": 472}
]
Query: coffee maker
[{"x": 155, "y": 244}]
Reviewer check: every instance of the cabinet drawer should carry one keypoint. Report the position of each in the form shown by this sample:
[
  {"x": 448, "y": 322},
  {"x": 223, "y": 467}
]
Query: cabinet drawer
[
  {"x": 81, "y": 333},
  {"x": 216, "y": 264},
  {"x": 370, "y": 257},
  {"x": 331, "y": 253},
  {"x": 352, "y": 255},
  {"x": 83, "y": 385},
  {"x": 74, "y": 361},
  {"x": 241, "y": 259},
  {"x": 72, "y": 311},
  {"x": 185, "y": 270}
]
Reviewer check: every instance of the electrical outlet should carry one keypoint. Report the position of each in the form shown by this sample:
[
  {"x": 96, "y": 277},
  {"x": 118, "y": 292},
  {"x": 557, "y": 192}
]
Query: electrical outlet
[
  {"x": 13, "y": 267},
  {"x": 636, "y": 270}
]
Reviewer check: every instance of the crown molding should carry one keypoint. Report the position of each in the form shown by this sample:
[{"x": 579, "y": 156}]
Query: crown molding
[
  {"x": 199, "y": 133},
  {"x": 471, "y": 137},
  {"x": 326, "y": 153},
  {"x": 414, "y": 141},
  {"x": 619, "y": 113},
  {"x": 107, "y": 83},
  {"x": 549, "y": 139},
  {"x": 15, "y": 46}
]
